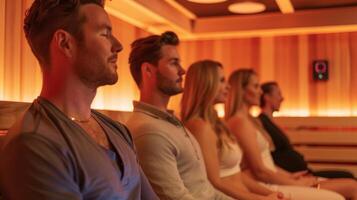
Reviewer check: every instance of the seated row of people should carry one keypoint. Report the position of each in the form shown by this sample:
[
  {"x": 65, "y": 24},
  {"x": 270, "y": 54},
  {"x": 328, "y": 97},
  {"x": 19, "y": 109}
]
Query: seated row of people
[
  {"x": 61, "y": 149},
  {"x": 205, "y": 85},
  {"x": 256, "y": 145},
  {"x": 169, "y": 154}
]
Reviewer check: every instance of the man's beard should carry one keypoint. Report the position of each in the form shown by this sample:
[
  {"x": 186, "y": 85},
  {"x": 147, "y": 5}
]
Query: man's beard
[
  {"x": 97, "y": 74},
  {"x": 167, "y": 86}
]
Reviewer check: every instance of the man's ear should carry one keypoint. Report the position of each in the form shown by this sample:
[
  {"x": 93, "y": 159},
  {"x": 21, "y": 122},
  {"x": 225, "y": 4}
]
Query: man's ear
[
  {"x": 147, "y": 69},
  {"x": 64, "y": 42}
]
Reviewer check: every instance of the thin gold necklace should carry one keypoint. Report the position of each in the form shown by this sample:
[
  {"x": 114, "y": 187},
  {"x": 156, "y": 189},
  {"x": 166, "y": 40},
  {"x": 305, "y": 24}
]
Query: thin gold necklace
[{"x": 81, "y": 120}]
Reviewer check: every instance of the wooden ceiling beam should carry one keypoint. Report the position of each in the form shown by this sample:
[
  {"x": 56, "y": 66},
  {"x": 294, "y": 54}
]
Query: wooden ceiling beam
[
  {"x": 285, "y": 6},
  {"x": 154, "y": 16},
  {"x": 182, "y": 9},
  {"x": 157, "y": 16},
  {"x": 305, "y": 21},
  {"x": 165, "y": 10}
]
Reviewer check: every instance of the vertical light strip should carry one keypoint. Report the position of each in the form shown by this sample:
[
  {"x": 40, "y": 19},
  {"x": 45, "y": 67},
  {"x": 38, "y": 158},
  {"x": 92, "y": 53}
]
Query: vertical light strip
[
  {"x": 285, "y": 6},
  {"x": 2, "y": 48},
  {"x": 12, "y": 79},
  {"x": 304, "y": 67}
]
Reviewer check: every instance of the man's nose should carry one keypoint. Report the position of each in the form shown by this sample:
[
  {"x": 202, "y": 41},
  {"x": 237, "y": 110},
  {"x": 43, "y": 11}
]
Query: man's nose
[{"x": 117, "y": 46}]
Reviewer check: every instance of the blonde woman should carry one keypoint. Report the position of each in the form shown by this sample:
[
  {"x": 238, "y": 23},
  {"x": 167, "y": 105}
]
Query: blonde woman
[
  {"x": 205, "y": 86},
  {"x": 256, "y": 145}
]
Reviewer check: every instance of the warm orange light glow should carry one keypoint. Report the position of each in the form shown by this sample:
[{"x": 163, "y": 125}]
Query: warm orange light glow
[
  {"x": 335, "y": 112},
  {"x": 246, "y": 7},
  {"x": 122, "y": 104},
  {"x": 255, "y": 111},
  {"x": 307, "y": 113},
  {"x": 285, "y": 6},
  {"x": 292, "y": 113},
  {"x": 271, "y": 32},
  {"x": 220, "y": 109},
  {"x": 139, "y": 15},
  {"x": 284, "y": 59},
  {"x": 2, "y": 48}
]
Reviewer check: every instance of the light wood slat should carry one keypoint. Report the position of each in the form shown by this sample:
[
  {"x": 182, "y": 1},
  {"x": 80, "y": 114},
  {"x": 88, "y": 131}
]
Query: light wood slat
[
  {"x": 2, "y": 47},
  {"x": 335, "y": 134},
  {"x": 353, "y": 68},
  {"x": 323, "y": 137},
  {"x": 351, "y": 168},
  {"x": 293, "y": 122},
  {"x": 10, "y": 111},
  {"x": 329, "y": 154}
]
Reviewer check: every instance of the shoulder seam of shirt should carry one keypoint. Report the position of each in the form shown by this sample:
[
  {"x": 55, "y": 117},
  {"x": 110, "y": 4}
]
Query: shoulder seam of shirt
[{"x": 154, "y": 134}]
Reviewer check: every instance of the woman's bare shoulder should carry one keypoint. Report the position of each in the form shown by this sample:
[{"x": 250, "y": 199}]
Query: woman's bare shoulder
[
  {"x": 198, "y": 126},
  {"x": 238, "y": 120}
]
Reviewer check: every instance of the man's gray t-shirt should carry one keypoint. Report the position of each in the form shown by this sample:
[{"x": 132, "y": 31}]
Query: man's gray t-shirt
[{"x": 48, "y": 156}]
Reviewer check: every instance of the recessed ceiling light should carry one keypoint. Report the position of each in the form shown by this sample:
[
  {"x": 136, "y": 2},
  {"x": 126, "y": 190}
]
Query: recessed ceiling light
[
  {"x": 246, "y": 7},
  {"x": 207, "y": 1}
]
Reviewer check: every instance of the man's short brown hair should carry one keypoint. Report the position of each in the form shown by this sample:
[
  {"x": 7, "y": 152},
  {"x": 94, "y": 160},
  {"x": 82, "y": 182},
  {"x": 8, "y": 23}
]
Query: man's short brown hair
[
  {"x": 148, "y": 49},
  {"x": 46, "y": 16}
]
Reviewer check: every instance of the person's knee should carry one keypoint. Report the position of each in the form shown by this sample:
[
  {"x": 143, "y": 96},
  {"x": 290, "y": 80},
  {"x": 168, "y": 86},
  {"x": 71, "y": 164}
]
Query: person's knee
[{"x": 336, "y": 196}]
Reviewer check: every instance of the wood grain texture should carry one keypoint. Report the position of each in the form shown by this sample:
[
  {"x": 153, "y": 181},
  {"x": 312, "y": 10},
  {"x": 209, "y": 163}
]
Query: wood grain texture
[
  {"x": 288, "y": 60},
  {"x": 285, "y": 59}
]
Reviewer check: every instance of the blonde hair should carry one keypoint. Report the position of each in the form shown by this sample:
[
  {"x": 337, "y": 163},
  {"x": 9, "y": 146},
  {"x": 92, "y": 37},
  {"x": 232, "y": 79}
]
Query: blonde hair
[
  {"x": 201, "y": 87},
  {"x": 238, "y": 80}
]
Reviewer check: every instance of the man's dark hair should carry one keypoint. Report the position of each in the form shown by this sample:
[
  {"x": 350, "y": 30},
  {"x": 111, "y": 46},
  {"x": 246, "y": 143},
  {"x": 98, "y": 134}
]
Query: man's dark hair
[
  {"x": 148, "y": 49},
  {"x": 267, "y": 88},
  {"x": 44, "y": 17}
]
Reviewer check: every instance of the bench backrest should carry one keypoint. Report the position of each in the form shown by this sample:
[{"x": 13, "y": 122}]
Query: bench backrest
[
  {"x": 10, "y": 112},
  {"x": 326, "y": 142}
]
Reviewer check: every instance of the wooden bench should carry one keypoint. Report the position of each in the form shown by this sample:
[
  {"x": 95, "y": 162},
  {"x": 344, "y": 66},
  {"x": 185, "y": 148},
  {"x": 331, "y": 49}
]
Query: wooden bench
[
  {"x": 10, "y": 111},
  {"x": 326, "y": 142}
]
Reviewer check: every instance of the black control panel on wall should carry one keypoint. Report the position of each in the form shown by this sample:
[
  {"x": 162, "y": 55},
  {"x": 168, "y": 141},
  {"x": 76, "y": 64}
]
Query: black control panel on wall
[{"x": 320, "y": 70}]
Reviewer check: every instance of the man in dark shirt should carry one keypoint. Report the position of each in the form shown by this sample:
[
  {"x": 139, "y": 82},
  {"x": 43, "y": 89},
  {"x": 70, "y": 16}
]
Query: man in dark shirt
[
  {"x": 284, "y": 155},
  {"x": 60, "y": 149}
]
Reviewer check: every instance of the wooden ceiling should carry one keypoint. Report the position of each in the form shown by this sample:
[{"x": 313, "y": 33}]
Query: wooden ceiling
[
  {"x": 221, "y": 9},
  {"x": 194, "y": 21}
]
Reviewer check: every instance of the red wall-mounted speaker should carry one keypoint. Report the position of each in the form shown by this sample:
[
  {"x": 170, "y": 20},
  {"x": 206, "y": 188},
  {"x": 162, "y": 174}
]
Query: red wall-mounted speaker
[{"x": 320, "y": 70}]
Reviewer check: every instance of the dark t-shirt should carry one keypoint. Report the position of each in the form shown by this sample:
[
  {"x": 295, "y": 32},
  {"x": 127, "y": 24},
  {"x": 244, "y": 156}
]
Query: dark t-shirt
[{"x": 284, "y": 155}]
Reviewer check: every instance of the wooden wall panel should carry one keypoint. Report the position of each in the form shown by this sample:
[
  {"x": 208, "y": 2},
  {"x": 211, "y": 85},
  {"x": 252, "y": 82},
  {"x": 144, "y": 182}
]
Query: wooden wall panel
[
  {"x": 2, "y": 47},
  {"x": 288, "y": 60},
  {"x": 353, "y": 88}
]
